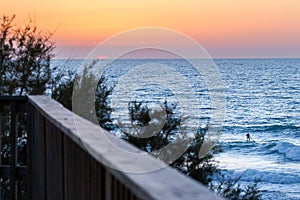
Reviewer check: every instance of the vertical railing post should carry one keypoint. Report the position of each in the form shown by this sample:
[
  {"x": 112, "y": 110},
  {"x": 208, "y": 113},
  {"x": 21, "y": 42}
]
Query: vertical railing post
[
  {"x": 13, "y": 152},
  {"x": 38, "y": 154},
  {"x": 29, "y": 149},
  {"x": 0, "y": 146}
]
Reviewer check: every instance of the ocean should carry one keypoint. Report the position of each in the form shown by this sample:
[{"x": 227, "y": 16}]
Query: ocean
[{"x": 262, "y": 99}]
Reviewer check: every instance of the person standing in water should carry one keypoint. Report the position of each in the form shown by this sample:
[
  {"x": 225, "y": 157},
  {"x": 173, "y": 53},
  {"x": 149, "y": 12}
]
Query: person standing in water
[{"x": 248, "y": 137}]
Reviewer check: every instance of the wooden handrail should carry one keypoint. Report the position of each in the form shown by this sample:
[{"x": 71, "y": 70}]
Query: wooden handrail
[{"x": 72, "y": 158}]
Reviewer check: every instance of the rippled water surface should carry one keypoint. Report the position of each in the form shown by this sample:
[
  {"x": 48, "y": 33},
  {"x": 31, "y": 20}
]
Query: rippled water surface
[{"x": 263, "y": 99}]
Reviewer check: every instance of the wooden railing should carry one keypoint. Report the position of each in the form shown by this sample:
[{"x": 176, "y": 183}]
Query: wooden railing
[
  {"x": 13, "y": 169},
  {"x": 63, "y": 164}
]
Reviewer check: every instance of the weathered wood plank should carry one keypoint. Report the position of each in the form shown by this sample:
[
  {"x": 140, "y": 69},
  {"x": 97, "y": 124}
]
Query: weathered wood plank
[
  {"x": 20, "y": 103},
  {"x": 81, "y": 173},
  {"x": 108, "y": 186},
  {"x": 54, "y": 161},
  {"x": 103, "y": 180},
  {"x": 13, "y": 151},
  {"x": 5, "y": 171},
  {"x": 38, "y": 164},
  {"x": 69, "y": 169},
  {"x": 1, "y": 121},
  {"x": 93, "y": 179},
  {"x": 30, "y": 128}
]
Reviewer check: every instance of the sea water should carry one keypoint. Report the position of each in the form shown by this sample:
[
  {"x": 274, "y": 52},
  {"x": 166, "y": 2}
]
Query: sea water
[{"x": 263, "y": 99}]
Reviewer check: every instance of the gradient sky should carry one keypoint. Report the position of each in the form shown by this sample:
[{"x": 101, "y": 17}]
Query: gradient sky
[{"x": 225, "y": 28}]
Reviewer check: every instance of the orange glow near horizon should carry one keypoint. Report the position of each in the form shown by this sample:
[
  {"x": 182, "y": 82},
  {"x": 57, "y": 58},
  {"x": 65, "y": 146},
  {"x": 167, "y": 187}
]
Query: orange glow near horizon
[{"x": 230, "y": 28}]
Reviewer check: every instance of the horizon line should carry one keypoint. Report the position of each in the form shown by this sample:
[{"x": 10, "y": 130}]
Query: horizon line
[{"x": 235, "y": 58}]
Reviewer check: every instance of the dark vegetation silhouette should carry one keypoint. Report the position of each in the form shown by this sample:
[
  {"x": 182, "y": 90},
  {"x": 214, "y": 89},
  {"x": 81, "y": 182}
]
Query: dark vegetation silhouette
[{"x": 25, "y": 56}]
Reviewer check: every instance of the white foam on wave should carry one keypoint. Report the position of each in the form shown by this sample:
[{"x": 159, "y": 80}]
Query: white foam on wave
[
  {"x": 251, "y": 175},
  {"x": 290, "y": 150}
]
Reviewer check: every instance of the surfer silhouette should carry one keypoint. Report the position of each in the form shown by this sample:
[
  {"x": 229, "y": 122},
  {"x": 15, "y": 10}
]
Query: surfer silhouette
[{"x": 248, "y": 137}]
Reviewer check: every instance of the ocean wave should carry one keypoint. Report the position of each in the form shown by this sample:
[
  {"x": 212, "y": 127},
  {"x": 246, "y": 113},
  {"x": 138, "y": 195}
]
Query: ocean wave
[
  {"x": 290, "y": 150},
  {"x": 239, "y": 145},
  {"x": 251, "y": 175},
  {"x": 279, "y": 127},
  {"x": 262, "y": 127}
]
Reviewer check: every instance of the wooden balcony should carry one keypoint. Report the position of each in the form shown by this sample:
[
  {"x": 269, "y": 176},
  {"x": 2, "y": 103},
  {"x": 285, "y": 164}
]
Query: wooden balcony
[{"x": 62, "y": 164}]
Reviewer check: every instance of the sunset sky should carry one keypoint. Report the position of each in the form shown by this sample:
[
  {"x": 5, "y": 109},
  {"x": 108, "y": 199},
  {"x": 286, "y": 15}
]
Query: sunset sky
[{"x": 225, "y": 28}]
